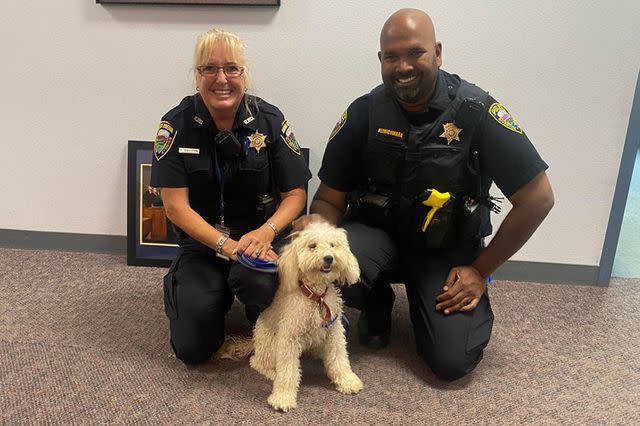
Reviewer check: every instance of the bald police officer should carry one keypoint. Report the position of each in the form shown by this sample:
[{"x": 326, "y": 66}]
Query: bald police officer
[{"x": 407, "y": 171}]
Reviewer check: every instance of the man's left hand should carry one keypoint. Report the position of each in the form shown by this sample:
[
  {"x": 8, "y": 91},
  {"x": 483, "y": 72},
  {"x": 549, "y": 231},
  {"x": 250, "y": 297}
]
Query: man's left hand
[{"x": 462, "y": 290}]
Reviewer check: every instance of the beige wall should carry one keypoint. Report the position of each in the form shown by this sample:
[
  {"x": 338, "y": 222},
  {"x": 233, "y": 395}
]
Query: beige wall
[{"x": 79, "y": 79}]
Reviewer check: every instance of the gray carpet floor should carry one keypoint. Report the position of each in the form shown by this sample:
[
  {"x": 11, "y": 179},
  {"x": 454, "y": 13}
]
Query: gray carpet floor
[{"x": 84, "y": 340}]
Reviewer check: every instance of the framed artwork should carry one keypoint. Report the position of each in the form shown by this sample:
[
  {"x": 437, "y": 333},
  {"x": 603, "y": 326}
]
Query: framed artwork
[
  {"x": 218, "y": 2},
  {"x": 151, "y": 240}
]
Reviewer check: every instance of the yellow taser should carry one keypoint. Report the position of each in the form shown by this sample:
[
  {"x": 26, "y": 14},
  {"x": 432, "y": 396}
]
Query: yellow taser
[{"x": 435, "y": 200}]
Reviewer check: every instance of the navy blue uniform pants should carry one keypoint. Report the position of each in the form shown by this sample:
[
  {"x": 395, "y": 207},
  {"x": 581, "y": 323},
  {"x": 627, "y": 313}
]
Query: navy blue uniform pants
[
  {"x": 452, "y": 345},
  {"x": 198, "y": 292}
]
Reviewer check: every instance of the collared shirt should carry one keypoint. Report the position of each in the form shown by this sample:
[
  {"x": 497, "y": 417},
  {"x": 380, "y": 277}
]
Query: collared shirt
[
  {"x": 440, "y": 101},
  {"x": 507, "y": 156},
  {"x": 271, "y": 160}
]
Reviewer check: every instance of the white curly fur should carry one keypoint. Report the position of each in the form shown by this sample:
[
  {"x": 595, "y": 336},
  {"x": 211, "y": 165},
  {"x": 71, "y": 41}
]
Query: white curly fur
[{"x": 292, "y": 324}]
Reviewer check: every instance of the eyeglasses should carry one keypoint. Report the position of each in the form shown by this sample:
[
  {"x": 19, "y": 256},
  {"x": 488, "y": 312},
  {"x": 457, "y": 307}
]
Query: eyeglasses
[{"x": 231, "y": 71}]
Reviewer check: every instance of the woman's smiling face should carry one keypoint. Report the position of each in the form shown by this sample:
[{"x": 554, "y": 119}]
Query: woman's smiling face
[{"x": 221, "y": 92}]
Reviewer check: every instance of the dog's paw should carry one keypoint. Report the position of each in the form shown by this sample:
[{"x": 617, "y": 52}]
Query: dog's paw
[
  {"x": 349, "y": 384},
  {"x": 282, "y": 401},
  {"x": 269, "y": 373}
]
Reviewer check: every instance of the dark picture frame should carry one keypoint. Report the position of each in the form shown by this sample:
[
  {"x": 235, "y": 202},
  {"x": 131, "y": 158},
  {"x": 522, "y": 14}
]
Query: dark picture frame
[
  {"x": 196, "y": 2},
  {"x": 150, "y": 235}
]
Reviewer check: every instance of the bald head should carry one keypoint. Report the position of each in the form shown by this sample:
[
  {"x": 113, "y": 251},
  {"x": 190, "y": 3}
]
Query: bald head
[
  {"x": 410, "y": 58},
  {"x": 408, "y": 20}
]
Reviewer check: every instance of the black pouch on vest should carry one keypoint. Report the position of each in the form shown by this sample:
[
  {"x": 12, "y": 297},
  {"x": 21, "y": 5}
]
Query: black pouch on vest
[
  {"x": 228, "y": 145},
  {"x": 474, "y": 222},
  {"x": 373, "y": 209}
]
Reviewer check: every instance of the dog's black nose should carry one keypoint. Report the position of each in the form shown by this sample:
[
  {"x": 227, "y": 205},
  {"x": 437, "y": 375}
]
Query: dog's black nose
[{"x": 328, "y": 260}]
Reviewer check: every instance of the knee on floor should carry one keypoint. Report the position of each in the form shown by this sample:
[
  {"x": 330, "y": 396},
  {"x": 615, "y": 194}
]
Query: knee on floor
[
  {"x": 448, "y": 365},
  {"x": 194, "y": 353}
]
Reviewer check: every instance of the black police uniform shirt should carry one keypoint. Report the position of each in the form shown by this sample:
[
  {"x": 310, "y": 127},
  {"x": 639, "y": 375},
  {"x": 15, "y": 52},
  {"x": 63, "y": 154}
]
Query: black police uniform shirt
[
  {"x": 507, "y": 155},
  {"x": 185, "y": 157}
]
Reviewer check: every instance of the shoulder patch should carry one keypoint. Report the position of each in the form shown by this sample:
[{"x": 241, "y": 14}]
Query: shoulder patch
[
  {"x": 164, "y": 139},
  {"x": 287, "y": 136},
  {"x": 502, "y": 116},
  {"x": 339, "y": 125}
]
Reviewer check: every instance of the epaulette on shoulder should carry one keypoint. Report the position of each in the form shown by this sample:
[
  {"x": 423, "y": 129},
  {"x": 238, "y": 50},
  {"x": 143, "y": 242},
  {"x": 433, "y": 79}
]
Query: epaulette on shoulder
[
  {"x": 175, "y": 114},
  {"x": 267, "y": 108},
  {"x": 451, "y": 78},
  {"x": 363, "y": 99}
]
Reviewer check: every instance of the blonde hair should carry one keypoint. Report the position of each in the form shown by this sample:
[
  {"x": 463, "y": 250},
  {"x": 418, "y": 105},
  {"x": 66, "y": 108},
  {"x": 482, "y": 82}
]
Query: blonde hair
[{"x": 220, "y": 39}]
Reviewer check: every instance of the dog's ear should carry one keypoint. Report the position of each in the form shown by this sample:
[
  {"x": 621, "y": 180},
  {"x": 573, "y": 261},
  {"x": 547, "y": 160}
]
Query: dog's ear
[
  {"x": 288, "y": 268},
  {"x": 351, "y": 272}
]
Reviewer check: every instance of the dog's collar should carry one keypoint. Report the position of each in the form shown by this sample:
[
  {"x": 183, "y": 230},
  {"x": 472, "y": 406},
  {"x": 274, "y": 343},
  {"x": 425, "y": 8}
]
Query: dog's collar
[{"x": 319, "y": 299}]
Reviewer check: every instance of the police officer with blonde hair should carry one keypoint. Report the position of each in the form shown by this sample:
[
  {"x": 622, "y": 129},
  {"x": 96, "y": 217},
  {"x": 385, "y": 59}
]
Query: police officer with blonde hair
[
  {"x": 232, "y": 179},
  {"x": 407, "y": 171}
]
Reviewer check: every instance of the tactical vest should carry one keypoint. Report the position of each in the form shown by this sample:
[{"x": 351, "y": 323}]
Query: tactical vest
[{"x": 401, "y": 162}]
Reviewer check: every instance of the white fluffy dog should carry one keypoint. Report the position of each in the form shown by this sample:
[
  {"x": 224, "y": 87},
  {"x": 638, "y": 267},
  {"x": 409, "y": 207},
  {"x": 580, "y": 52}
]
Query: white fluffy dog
[{"x": 305, "y": 314}]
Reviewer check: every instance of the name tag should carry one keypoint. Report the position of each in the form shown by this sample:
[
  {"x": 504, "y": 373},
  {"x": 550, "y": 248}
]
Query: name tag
[
  {"x": 394, "y": 133},
  {"x": 189, "y": 150}
]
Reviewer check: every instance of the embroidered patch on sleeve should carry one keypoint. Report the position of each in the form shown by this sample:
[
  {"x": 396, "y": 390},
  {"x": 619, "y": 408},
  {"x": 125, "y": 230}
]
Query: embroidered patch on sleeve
[
  {"x": 164, "y": 139},
  {"x": 286, "y": 133},
  {"x": 339, "y": 125},
  {"x": 502, "y": 116}
]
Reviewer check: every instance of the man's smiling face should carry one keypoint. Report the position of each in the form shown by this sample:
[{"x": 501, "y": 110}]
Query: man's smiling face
[{"x": 410, "y": 59}]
